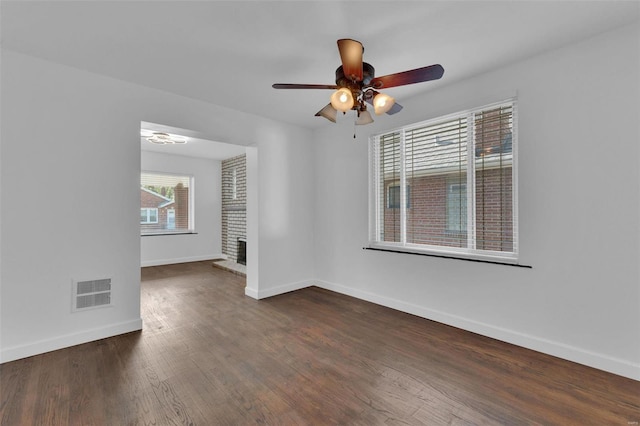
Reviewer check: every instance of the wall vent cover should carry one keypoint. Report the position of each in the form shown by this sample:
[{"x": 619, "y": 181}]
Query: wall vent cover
[{"x": 91, "y": 294}]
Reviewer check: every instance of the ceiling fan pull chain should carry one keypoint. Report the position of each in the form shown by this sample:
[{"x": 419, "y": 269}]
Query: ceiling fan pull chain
[{"x": 354, "y": 126}]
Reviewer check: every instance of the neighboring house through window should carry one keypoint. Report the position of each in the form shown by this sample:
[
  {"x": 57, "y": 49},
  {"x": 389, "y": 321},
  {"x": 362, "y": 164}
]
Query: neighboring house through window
[
  {"x": 166, "y": 202},
  {"x": 446, "y": 185}
]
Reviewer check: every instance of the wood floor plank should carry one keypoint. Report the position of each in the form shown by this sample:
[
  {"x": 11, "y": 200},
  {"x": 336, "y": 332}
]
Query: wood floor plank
[{"x": 208, "y": 355}]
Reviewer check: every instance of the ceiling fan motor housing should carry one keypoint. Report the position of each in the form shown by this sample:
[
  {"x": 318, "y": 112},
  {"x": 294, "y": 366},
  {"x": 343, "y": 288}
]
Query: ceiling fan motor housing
[
  {"x": 356, "y": 87},
  {"x": 368, "y": 73}
]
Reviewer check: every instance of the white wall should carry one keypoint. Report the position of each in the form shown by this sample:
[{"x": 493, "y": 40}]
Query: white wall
[
  {"x": 69, "y": 172},
  {"x": 206, "y": 243},
  {"x": 78, "y": 133},
  {"x": 286, "y": 213},
  {"x": 579, "y": 109}
]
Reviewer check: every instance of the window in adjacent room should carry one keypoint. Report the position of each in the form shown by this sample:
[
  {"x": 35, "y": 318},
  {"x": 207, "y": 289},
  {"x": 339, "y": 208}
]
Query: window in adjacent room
[
  {"x": 166, "y": 203},
  {"x": 447, "y": 185}
]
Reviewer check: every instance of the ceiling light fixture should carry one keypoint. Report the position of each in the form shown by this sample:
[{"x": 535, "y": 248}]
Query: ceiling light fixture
[
  {"x": 342, "y": 99},
  {"x": 328, "y": 112},
  {"x": 160, "y": 138},
  {"x": 364, "y": 117},
  {"x": 382, "y": 103}
]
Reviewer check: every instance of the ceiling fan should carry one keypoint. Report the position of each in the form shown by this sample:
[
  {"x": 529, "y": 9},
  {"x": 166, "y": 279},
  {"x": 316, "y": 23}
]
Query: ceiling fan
[{"x": 356, "y": 85}]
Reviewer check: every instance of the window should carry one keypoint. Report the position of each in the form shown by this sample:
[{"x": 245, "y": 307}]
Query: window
[
  {"x": 166, "y": 203},
  {"x": 393, "y": 197},
  {"x": 148, "y": 215},
  {"x": 446, "y": 185}
]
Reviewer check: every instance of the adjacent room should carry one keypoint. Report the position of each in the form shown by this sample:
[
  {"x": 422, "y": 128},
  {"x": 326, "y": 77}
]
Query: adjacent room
[
  {"x": 350, "y": 212},
  {"x": 206, "y": 222}
]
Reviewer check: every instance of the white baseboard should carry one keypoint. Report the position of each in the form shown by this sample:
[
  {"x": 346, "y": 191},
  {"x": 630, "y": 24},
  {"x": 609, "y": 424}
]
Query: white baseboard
[
  {"x": 158, "y": 262},
  {"x": 251, "y": 293},
  {"x": 281, "y": 289},
  {"x": 65, "y": 341},
  {"x": 557, "y": 349}
]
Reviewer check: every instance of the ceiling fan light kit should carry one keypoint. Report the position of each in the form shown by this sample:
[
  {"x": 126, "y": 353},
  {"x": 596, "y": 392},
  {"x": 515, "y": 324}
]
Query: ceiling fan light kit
[
  {"x": 328, "y": 112},
  {"x": 382, "y": 103},
  {"x": 356, "y": 85},
  {"x": 342, "y": 99},
  {"x": 364, "y": 117}
]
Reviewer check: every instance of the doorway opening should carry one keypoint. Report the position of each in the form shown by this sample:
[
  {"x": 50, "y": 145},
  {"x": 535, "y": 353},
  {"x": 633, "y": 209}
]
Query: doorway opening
[{"x": 221, "y": 183}]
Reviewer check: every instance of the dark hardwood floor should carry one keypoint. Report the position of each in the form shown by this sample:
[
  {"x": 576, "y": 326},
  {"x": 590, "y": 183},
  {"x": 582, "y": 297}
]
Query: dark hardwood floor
[{"x": 208, "y": 355}]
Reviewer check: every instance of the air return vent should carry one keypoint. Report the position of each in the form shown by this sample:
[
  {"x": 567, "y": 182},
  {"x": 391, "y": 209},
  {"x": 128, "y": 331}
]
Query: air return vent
[{"x": 91, "y": 294}]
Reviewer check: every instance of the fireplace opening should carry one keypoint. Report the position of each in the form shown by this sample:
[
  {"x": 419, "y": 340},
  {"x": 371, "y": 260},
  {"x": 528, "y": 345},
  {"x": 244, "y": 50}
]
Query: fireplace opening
[{"x": 242, "y": 251}]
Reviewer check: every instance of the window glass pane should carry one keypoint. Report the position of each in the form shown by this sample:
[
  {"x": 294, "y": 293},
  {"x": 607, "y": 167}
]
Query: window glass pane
[
  {"x": 389, "y": 167},
  {"x": 165, "y": 199},
  {"x": 153, "y": 215},
  {"x": 493, "y": 170},
  {"x": 434, "y": 155}
]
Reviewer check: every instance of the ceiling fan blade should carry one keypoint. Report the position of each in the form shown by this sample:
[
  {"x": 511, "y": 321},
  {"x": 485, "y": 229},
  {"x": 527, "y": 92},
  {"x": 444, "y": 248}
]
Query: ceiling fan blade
[
  {"x": 371, "y": 94},
  {"x": 432, "y": 72},
  {"x": 304, "y": 86},
  {"x": 351, "y": 57},
  {"x": 394, "y": 109}
]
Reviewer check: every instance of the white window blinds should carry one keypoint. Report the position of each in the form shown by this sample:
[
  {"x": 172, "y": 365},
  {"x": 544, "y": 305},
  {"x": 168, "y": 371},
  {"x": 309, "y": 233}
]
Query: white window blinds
[{"x": 446, "y": 185}]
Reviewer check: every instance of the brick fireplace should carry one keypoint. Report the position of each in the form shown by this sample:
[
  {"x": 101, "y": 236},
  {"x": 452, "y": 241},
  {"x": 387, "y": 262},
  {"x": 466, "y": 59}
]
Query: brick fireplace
[{"x": 234, "y": 208}]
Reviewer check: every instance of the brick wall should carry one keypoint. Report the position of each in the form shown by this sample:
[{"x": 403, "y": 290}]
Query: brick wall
[
  {"x": 181, "y": 194},
  {"x": 234, "y": 210},
  {"x": 427, "y": 215},
  {"x": 494, "y": 210}
]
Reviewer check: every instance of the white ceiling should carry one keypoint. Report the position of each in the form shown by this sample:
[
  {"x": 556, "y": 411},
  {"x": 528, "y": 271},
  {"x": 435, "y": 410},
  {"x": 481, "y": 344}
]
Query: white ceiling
[
  {"x": 196, "y": 146},
  {"x": 229, "y": 53}
]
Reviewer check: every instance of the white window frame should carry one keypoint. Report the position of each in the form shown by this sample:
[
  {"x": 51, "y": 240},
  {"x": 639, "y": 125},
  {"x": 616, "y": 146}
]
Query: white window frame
[
  {"x": 470, "y": 252},
  {"x": 148, "y": 211}
]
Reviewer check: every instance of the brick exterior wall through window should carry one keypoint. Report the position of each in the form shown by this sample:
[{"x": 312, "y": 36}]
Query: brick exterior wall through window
[{"x": 428, "y": 209}]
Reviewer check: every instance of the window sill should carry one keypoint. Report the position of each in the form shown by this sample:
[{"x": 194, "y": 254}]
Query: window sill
[
  {"x": 471, "y": 257},
  {"x": 165, "y": 233}
]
